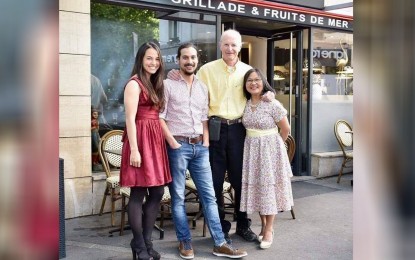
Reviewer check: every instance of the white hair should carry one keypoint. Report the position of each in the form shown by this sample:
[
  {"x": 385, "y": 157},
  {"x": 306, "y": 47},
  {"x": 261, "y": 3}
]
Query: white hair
[{"x": 234, "y": 34}]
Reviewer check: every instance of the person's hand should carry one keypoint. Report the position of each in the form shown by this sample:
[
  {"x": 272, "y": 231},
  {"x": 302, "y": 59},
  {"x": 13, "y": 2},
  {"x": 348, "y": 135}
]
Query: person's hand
[
  {"x": 173, "y": 75},
  {"x": 268, "y": 96},
  {"x": 175, "y": 145},
  {"x": 206, "y": 144},
  {"x": 135, "y": 158}
]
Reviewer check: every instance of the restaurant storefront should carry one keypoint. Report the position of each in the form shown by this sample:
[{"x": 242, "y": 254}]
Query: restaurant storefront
[{"x": 306, "y": 53}]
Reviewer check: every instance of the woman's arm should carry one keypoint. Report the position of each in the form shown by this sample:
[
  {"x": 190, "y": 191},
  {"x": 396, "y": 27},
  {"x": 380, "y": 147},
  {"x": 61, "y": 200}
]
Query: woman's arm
[
  {"x": 284, "y": 128},
  {"x": 131, "y": 98}
]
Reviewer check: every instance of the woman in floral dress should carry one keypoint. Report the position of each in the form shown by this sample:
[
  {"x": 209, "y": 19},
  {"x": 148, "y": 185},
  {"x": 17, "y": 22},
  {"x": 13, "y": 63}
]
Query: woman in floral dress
[{"x": 266, "y": 185}]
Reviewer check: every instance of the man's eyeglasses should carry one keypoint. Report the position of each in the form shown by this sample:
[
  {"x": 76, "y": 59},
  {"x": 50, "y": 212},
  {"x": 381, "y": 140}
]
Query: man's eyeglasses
[{"x": 250, "y": 81}]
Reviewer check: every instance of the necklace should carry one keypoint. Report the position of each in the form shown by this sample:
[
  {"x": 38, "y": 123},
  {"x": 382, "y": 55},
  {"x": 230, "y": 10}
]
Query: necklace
[{"x": 254, "y": 105}]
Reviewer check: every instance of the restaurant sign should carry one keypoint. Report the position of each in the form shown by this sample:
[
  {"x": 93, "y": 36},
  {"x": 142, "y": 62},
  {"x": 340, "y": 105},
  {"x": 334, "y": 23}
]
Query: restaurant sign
[{"x": 265, "y": 10}]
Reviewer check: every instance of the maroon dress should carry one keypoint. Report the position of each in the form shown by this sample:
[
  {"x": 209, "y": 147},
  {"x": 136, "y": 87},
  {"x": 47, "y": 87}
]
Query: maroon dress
[{"x": 154, "y": 170}]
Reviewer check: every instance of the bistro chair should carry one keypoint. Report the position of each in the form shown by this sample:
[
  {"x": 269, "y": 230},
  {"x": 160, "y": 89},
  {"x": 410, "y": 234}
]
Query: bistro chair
[
  {"x": 165, "y": 205},
  {"x": 290, "y": 146},
  {"x": 110, "y": 153},
  {"x": 344, "y": 135}
]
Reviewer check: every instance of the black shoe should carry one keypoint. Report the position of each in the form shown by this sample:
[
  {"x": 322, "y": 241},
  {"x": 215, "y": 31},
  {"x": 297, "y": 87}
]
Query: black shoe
[
  {"x": 139, "y": 252},
  {"x": 247, "y": 234},
  {"x": 153, "y": 253},
  {"x": 228, "y": 238}
]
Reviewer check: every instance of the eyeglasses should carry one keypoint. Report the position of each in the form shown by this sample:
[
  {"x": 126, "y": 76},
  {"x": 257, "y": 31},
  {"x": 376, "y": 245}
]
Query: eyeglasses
[{"x": 250, "y": 81}]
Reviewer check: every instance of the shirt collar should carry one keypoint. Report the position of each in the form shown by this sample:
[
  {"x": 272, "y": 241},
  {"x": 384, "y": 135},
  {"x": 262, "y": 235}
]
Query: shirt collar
[
  {"x": 195, "y": 79},
  {"x": 228, "y": 68}
]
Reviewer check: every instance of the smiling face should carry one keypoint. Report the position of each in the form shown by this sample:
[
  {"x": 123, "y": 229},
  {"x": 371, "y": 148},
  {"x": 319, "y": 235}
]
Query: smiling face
[
  {"x": 254, "y": 84},
  {"x": 230, "y": 46},
  {"x": 151, "y": 62},
  {"x": 188, "y": 60}
]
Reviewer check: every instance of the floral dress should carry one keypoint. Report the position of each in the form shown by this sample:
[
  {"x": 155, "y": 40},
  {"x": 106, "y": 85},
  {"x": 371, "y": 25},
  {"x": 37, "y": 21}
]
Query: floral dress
[{"x": 266, "y": 173}]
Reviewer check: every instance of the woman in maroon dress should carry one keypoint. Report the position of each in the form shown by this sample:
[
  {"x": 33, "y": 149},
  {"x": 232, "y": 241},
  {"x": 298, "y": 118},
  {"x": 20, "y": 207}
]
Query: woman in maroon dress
[{"x": 144, "y": 165}]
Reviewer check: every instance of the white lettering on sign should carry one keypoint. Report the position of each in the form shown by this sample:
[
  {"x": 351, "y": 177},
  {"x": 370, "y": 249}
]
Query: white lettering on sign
[
  {"x": 325, "y": 54},
  {"x": 338, "y": 23},
  {"x": 270, "y": 13},
  {"x": 302, "y": 18},
  {"x": 224, "y": 6},
  {"x": 316, "y": 20},
  {"x": 171, "y": 58},
  {"x": 281, "y": 14}
]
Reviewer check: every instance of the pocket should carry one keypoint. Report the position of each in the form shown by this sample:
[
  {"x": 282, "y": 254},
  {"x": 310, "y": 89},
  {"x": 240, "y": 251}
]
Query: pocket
[{"x": 174, "y": 149}]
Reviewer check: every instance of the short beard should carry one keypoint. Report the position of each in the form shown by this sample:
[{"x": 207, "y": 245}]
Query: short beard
[{"x": 188, "y": 73}]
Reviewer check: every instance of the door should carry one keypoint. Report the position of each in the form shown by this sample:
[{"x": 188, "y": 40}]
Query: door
[{"x": 285, "y": 73}]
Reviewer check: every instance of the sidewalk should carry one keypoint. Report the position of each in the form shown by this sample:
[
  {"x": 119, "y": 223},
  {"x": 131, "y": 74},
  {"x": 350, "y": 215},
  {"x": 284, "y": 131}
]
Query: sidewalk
[{"x": 322, "y": 229}]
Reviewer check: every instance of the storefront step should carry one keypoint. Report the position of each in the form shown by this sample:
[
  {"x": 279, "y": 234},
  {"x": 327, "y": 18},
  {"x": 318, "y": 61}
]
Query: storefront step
[{"x": 326, "y": 164}]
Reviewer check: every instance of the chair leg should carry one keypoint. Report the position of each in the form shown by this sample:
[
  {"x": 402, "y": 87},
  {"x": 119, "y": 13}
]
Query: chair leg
[
  {"x": 112, "y": 207},
  {"x": 161, "y": 216},
  {"x": 122, "y": 215},
  {"x": 341, "y": 170},
  {"x": 204, "y": 228},
  {"x": 196, "y": 217},
  {"x": 292, "y": 212},
  {"x": 160, "y": 230},
  {"x": 103, "y": 201}
]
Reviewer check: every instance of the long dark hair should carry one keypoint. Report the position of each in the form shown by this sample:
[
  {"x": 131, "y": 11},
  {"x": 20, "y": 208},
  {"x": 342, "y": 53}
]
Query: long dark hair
[
  {"x": 267, "y": 86},
  {"x": 154, "y": 86}
]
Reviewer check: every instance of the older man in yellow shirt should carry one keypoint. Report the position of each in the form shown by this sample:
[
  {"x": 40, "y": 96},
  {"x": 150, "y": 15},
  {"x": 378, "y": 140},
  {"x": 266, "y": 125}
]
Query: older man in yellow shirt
[{"x": 224, "y": 79}]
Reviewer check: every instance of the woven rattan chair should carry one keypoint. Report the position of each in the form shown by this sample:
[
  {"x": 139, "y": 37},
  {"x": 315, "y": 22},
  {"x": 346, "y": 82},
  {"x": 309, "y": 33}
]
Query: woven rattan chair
[
  {"x": 164, "y": 209},
  {"x": 344, "y": 135},
  {"x": 110, "y": 152},
  {"x": 290, "y": 146}
]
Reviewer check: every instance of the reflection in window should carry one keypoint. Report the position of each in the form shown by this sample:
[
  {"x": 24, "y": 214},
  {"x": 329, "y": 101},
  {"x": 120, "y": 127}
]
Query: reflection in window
[
  {"x": 116, "y": 34},
  {"x": 333, "y": 51}
]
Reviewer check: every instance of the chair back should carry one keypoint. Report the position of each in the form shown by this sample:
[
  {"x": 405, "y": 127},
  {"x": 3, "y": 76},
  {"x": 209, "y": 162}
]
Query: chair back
[
  {"x": 110, "y": 143},
  {"x": 290, "y": 146},
  {"x": 342, "y": 131}
]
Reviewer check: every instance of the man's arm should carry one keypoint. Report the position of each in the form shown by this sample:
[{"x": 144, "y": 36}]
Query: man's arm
[
  {"x": 205, "y": 133},
  {"x": 173, "y": 75},
  {"x": 167, "y": 134}
]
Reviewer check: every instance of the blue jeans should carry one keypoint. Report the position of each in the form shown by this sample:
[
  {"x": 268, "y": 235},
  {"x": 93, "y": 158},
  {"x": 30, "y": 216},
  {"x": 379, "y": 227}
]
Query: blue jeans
[{"x": 194, "y": 157}]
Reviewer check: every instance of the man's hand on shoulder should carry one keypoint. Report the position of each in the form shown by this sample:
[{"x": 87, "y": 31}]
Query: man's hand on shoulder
[
  {"x": 268, "y": 96},
  {"x": 173, "y": 75}
]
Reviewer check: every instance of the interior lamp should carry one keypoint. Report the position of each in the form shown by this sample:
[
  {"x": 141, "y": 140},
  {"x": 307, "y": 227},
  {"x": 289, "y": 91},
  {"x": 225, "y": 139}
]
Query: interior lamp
[{"x": 278, "y": 75}]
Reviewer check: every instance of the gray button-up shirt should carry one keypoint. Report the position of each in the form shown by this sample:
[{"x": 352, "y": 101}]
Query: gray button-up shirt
[{"x": 185, "y": 110}]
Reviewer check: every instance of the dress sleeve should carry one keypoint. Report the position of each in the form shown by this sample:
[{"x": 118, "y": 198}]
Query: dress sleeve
[{"x": 278, "y": 112}]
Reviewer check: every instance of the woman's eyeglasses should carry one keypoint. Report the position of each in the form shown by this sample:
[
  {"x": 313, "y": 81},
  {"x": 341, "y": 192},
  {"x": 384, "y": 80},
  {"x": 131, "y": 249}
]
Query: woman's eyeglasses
[{"x": 250, "y": 81}]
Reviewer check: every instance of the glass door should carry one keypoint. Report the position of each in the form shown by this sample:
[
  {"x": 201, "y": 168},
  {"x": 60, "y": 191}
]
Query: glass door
[{"x": 285, "y": 73}]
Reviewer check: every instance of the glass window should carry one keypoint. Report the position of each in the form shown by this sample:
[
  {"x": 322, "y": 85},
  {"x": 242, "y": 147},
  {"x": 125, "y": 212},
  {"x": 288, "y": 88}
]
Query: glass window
[
  {"x": 332, "y": 63},
  {"x": 331, "y": 86},
  {"x": 116, "y": 34}
]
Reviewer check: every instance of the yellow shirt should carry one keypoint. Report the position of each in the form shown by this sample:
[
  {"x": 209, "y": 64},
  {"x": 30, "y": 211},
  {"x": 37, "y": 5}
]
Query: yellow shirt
[{"x": 226, "y": 97}]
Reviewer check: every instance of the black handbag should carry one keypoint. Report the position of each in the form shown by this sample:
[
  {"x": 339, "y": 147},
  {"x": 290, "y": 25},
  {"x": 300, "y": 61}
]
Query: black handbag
[{"x": 214, "y": 128}]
